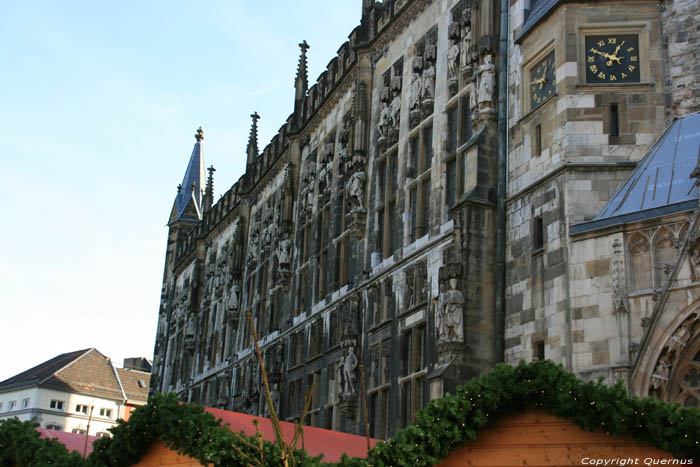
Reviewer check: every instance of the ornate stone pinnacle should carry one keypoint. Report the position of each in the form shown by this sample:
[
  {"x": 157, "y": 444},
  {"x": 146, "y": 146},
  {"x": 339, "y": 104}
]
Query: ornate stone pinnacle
[
  {"x": 211, "y": 170},
  {"x": 179, "y": 187},
  {"x": 304, "y": 46},
  {"x": 199, "y": 136}
]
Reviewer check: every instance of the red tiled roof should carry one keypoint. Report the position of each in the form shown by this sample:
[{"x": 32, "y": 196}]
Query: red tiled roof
[
  {"x": 72, "y": 441},
  {"x": 332, "y": 444}
]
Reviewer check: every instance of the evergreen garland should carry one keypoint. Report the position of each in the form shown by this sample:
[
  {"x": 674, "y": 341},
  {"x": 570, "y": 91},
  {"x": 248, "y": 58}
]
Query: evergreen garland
[{"x": 443, "y": 425}]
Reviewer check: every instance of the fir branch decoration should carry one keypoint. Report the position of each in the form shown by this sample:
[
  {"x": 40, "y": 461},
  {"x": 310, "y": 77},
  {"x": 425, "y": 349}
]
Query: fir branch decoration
[{"x": 443, "y": 425}]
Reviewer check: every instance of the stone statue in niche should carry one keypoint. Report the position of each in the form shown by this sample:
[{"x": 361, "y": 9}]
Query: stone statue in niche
[
  {"x": 487, "y": 82},
  {"x": 325, "y": 173},
  {"x": 209, "y": 288},
  {"x": 349, "y": 367},
  {"x": 254, "y": 239},
  {"x": 234, "y": 297},
  {"x": 284, "y": 255},
  {"x": 189, "y": 327},
  {"x": 310, "y": 192},
  {"x": 466, "y": 45},
  {"x": 450, "y": 314},
  {"x": 416, "y": 89},
  {"x": 384, "y": 123},
  {"x": 395, "y": 110},
  {"x": 453, "y": 60},
  {"x": 355, "y": 189},
  {"x": 428, "y": 87},
  {"x": 219, "y": 279}
]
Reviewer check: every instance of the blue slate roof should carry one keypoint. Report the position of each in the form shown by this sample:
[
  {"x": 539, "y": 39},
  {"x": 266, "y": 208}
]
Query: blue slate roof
[
  {"x": 538, "y": 12},
  {"x": 660, "y": 184},
  {"x": 187, "y": 196}
]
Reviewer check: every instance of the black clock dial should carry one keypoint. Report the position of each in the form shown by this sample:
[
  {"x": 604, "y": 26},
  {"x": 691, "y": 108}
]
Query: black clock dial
[
  {"x": 612, "y": 58},
  {"x": 542, "y": 85}
]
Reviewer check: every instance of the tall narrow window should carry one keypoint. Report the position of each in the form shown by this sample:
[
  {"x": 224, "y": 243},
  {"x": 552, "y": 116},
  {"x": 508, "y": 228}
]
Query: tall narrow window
[
  {"x": 428, "y": 145},
  {"x": 465, "y": 121},
  {"x": 538, "y": 234},
  {"x": 614, "y": 120},
  {"x": 413, "y": 211},
  {"x": 424, "y": 221},
  {"x": 452, "y": 125},
  {"x": 537, "y": 150},
  {"x": 412, "y": 169},
  {"x": 451, "y": 185}
]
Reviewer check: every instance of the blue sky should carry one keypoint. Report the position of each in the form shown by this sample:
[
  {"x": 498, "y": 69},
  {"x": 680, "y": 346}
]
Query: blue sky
[{"x": 99, "y": 103}]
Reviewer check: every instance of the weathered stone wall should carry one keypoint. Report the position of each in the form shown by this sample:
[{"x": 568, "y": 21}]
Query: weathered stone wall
[
  {"x": 559, "y": 295},
  {"x": 681, "y": 36}
]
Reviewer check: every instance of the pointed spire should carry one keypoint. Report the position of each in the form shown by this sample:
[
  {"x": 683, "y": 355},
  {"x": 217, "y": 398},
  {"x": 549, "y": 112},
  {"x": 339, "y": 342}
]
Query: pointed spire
[
  {"x": 188, "y": 203},
  {"x": 301, "y": 84},
  {"x": 252, "y": 150},
  {"x": 209, "y": 192}
]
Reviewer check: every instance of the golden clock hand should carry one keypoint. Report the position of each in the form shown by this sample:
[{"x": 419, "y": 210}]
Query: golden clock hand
[{"x": 617, "y": 49}]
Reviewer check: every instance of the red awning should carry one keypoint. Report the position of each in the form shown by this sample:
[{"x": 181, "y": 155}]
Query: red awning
[
  {"x": 72, "y": 441},
  {"x": 332, "y": 444}
]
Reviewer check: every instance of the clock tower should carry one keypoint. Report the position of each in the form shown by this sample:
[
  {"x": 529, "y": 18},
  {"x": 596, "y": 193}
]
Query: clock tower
[{"x": 587, "y": 99}]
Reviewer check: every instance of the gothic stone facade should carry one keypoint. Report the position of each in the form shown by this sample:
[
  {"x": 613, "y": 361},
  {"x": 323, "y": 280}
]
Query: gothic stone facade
[{"x": 365, "y": 236}]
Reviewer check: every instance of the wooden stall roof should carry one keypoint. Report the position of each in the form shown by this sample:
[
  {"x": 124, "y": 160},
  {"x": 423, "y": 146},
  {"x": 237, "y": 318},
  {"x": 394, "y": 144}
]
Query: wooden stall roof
[
  {"x": 535, "y": 438},
  {"x": 332, "y": 444}
]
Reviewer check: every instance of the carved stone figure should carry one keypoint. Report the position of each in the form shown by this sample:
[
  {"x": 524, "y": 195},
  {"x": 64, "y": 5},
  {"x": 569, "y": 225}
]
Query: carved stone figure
[
  {"x": 471, "y": 89},
  {"x": 235, "y": 297},
  {"x": 355, "y": 188},
  {"x": 466, "y": 45},
  {"x": 453, "y": 60},
  {"x": 416, "y": 90},
  {"x": 395, "y": 110},
  {"x": 285, "y": 253},
  {"x": 694, "y": 257},
  {"x": 189, "y": 327},
  {"x": 487, "y": 81},
  {"x": 384, "y": 124},
  {"x": 450, "y": 314},
  {"x": 310, "y": 193},
  {"x": 429, "y": 84},
  {"x": 254, "y": 239},
  {"x": 680, "y": 338},
  {"x": 661, "y": 372},
  {"x": 349, "y": 367}
]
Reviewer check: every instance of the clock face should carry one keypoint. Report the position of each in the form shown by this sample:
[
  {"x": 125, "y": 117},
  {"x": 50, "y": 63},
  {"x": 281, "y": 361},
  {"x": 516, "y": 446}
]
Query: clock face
[
  {"x": 542, "y": 85},
  {"x": 612, "y": 58}
]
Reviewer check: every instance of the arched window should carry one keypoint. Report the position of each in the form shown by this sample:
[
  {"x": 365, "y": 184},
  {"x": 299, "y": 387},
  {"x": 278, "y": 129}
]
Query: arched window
[
  {"x": 664, "y": 255},
  {"x": 640, "y": 263},
  {"x": 687, "y": 378}
]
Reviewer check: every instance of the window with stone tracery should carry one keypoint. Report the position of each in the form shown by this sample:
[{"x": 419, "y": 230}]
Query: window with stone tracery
[
  {"x": 689, "y": 382},
  {"x": 640, "y": 263},
  {"x": 664, "y": 255},
  {"x": 418, "y": 167}
]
